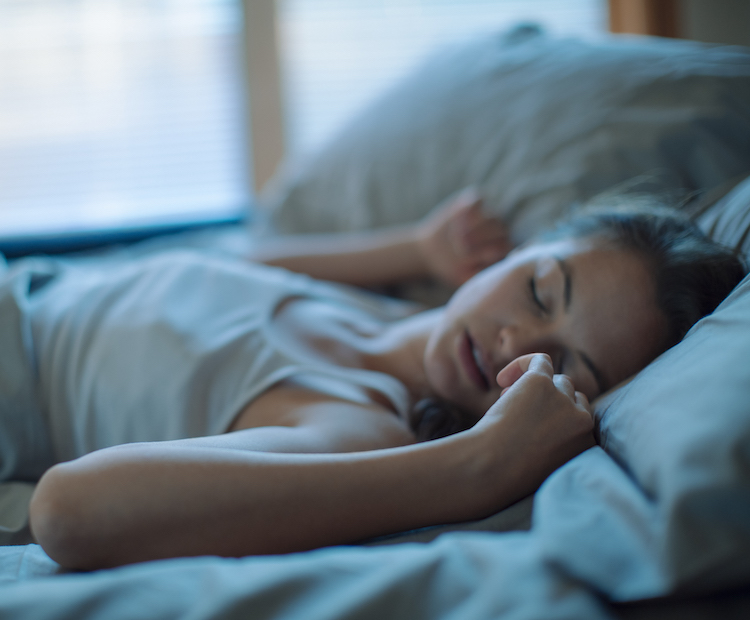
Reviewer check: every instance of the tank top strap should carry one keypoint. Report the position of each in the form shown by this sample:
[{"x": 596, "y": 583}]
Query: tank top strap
[
  {"x": 289, "y": 364},
  {"x": 384, "y": 384}
]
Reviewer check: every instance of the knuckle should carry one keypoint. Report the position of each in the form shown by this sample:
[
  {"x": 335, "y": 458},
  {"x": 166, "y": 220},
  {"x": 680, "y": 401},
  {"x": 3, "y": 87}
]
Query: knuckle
[
  {"x": 541, "y": 362},
  {"x": 546, "y": 357},
  {"x": 538, "y": 378}
]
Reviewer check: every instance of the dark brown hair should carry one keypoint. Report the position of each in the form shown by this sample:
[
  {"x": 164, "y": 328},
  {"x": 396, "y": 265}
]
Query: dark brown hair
[{"x": 692, "y": 273}]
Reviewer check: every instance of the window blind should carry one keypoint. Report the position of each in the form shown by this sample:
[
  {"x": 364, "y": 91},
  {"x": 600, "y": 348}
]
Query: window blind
[{"x": 119, "y": 113}]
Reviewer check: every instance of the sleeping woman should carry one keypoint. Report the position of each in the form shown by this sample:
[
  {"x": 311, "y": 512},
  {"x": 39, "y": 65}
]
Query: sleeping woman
[{"x": 184, "y": 404}]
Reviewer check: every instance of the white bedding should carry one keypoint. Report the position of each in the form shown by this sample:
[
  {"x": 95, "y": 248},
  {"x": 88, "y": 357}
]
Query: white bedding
[
  {"x": 672, "y": 514},
  {"x": 461, "y": 576},
  {"x": 669, "y": 514}
]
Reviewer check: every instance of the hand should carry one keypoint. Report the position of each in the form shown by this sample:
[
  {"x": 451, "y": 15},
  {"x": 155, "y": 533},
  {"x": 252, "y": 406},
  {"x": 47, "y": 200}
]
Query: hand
[
  {"x": 457, "y": 240},
  {"x": 538, "y": 423}
]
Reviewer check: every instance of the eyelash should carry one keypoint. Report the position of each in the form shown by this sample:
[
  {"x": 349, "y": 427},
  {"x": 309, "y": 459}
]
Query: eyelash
[
  {"x": 535, "y": 296},
  {"x": 559, "y": 363}
]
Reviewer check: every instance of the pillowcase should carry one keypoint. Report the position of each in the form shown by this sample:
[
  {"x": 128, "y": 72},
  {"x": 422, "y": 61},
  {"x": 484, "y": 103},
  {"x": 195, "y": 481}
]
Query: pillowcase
[
  {"x": 14, "y": 512},
  {"x": 537, "y": 123},
  {"x": 681, "y": 430},
  {"x": 728, "y": 220}
]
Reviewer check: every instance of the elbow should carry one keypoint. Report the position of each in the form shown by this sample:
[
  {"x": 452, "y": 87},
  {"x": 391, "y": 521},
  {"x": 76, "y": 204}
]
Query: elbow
[{"x": 59, "y": 521}]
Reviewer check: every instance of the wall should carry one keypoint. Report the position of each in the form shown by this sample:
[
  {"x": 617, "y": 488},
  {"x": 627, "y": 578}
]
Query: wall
[{"x": 716, "y": 21}]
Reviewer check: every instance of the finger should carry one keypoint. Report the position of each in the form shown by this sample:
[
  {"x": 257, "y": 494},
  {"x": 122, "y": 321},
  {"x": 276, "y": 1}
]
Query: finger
[
  {"x": 481, "y": 223},
  {"x": 467, "y": 201},
  {"x": 490, "y": 255},
  {"x": 541, "y": 363},
  {"x": 535, "y": 362},
  {"x": 462, "y": 220},
  {"x": 582, "y": 402},
  {"x": 470, "y": 193},
  {"x": 484, "y": 235},
  {"x": 565, "y": 385},
  {"x": 454, "y": 210},
  {"x": 484, "y": 219},
  {"x": 490, "y": 231},
  {"x": 477, "y": 264}
]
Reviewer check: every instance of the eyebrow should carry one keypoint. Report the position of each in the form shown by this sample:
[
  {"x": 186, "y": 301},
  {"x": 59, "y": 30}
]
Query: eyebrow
[
  {"x": 565, "y": 268},
  {"x": 598, "y": 376}
]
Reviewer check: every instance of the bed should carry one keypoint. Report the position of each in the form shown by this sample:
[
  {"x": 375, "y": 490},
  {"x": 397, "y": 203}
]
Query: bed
[{"x": 652, "y": 522}]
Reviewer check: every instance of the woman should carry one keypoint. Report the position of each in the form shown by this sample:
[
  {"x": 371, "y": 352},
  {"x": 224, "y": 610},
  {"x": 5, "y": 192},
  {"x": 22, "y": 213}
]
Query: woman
[{"x": 290, "y": 422}]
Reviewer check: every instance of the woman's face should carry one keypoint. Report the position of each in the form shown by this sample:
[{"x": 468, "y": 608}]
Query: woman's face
[{"x": 591, "y": 308}]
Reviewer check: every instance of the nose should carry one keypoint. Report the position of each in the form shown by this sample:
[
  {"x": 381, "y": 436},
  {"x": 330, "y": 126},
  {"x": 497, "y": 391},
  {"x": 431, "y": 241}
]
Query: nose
[
  {"x": 517, "y": 340},
  {"x": 513, "y": 342}
]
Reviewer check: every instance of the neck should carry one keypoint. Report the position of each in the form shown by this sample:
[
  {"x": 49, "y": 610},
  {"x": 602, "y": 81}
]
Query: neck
[{"x": 399, "y": 351}]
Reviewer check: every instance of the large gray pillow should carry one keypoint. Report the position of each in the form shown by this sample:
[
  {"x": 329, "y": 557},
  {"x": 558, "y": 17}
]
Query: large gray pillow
[
  {"x": 539, "y": 123},
  {"x": 681, "y": 431}
]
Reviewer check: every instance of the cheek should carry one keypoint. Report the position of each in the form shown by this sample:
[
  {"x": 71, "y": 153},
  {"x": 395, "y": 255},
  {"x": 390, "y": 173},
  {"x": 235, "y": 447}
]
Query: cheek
[
  {"x": 479, "y": 288},
  {"x": 491, "y": 291},
  {"x": 444, "y": 381},
  {"x": 436, "y": 362},
  {"x": 441, "y": 368}
]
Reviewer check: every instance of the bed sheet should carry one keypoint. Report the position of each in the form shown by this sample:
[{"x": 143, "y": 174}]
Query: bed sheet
[
  {"x": 594, "y": 531},
  {"x": 589, "y": 513},
  {"x": 514, "y": 575},
  {"x": 459, "y": 576}
]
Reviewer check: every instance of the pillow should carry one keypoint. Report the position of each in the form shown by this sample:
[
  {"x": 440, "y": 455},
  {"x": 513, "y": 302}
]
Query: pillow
[
  {"x": 728, "y": 220},
  {"x": 14, "y": 509},
  {"x": 681, "y": 430},
  {"x": 514, "y": 518},
  {"x": 538, "y": 123}
]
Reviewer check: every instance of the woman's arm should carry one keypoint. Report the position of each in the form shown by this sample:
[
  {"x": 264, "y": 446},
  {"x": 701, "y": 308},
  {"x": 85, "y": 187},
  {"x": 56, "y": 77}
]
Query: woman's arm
[
  {"x": 363, "y": 259},
  {"x": 453, "y": 243},
  {"x": 146, "y": 501}
]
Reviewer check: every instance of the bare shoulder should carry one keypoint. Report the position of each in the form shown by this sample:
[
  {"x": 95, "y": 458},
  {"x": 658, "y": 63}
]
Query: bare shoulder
[{"x": 328, "y": 423}]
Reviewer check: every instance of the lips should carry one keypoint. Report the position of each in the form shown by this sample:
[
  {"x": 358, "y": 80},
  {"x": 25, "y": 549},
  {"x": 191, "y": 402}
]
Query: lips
[{"x": 470, "y": 357}]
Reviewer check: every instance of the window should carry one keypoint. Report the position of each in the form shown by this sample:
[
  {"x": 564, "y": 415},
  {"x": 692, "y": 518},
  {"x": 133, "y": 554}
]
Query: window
[
  {"x": 120, "y": 113},
  {"x": 336, "y": 55}
]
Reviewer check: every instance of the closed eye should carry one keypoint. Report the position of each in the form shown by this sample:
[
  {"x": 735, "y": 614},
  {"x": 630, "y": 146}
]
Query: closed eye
[
  {"x": 559, "y": 363},
  {"x": 535, "y": 296}
]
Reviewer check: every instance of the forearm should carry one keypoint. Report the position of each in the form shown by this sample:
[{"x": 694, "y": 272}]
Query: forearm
[
  {"x": 166, "y": 499},
  {"x": 366, "y": 258},
  {"x": 149, "y": 501}
]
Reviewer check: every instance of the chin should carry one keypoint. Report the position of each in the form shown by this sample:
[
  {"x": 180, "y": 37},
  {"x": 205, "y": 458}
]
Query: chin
[
  {"x": 444, "y": 376},
  {"x": 445, "y": 386}
]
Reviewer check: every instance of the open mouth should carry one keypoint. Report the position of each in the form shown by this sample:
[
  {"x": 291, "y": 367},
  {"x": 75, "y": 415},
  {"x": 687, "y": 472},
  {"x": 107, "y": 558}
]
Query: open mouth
[{"x": 472, "y": 363}]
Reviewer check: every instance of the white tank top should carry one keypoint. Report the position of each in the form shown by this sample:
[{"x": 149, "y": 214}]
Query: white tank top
[{"x": 175, "y": 346}]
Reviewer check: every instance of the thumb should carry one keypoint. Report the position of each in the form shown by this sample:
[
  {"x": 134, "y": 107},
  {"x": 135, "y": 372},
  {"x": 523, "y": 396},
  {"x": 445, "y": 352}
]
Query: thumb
[{"x": 468, "y": 200}]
